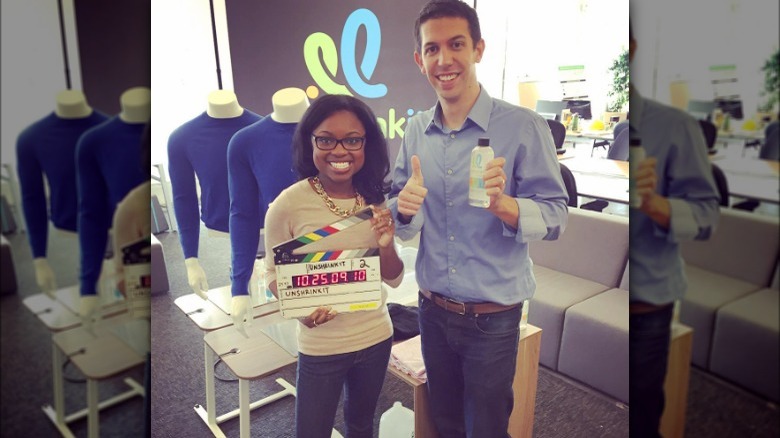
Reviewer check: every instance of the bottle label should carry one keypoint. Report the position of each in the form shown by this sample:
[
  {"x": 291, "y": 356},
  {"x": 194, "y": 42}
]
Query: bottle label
[{"x": 480, "y": 156}]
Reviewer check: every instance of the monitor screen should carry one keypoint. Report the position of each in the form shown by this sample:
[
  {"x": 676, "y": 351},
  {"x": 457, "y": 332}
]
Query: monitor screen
[
  {"x": 581, "y": 107},
  {"x": 731, "y": 107},
  {"x": 550, "y": 109},
  {"x": 701, "y": 109}
]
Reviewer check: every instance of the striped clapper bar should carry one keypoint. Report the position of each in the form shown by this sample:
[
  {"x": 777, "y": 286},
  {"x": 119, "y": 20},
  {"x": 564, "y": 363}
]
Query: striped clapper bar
[{"x": 348, "y": 280}]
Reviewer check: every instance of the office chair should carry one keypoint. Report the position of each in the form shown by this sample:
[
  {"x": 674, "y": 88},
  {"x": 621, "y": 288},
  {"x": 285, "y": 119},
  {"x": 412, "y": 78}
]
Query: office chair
[
  {"x": 558, "y": 133},
  {"x": 571, "y": 185},
  {"x": 710, "y": 132},
  {"x": 721, "y": 184},
  {"x": 619, "y": 148},
  {"x": 770, "y": 150},
  {"x": 615, "y": 131}
]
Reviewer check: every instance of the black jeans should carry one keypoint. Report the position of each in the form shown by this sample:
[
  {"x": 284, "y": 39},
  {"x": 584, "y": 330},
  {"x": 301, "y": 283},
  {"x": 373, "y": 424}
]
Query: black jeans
[{"x": 648, "y": 356}]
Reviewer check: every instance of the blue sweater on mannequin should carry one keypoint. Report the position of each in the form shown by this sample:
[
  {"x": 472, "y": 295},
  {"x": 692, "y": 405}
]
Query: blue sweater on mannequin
[
  {"x": 199, "y": 147},
  {"x": 48, "y": 147},
  {"x": 260, "y": 164},
  {"x": 108, "y": 165}
]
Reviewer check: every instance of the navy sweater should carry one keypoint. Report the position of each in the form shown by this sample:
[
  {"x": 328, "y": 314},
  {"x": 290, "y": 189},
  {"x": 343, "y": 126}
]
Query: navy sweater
[
  {"x": 260, "y": 164},
  {"x": 108, "y": 160},
  {"x": 199, "y": 147},
  {"x": 48, "y": 148}
]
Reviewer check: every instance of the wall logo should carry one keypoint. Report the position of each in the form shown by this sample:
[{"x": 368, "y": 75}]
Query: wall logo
[{"x": 324, "y": 75}]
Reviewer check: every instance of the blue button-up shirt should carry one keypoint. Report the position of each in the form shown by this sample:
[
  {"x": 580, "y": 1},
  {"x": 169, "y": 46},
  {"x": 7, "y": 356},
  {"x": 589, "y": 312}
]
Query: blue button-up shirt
[
  {"x": 467, "y": 253},
  {"x": 684, "y": 176}
]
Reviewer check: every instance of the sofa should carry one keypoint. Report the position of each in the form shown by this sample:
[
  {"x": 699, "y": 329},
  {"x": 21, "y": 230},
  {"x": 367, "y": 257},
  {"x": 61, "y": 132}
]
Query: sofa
[
  {"x": 581, "y": 301},
  {"x": 732, "y": 301}
]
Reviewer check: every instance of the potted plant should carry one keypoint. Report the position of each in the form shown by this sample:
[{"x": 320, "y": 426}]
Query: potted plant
[
  {"x": 771, "y": 89},
  {"x": 618, "y": 94}
]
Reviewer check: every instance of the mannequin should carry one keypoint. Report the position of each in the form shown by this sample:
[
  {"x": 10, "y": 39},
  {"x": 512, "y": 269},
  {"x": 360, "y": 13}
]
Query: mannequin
[
  {"x": 199, "y": 147},
  {"x": 47, "y": 149},
  {"x": 260, "y": 164},
  {"x": 105, "y": 177}
]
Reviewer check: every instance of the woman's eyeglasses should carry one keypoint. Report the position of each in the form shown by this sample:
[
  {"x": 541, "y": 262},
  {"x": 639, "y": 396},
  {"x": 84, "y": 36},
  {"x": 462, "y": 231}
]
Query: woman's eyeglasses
[{"x": 330, "y": 143}]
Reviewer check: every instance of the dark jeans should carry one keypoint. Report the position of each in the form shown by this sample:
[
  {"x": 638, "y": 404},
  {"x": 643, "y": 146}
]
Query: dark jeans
[
  {"x": 319, "y": 385},
  {"x": 470, "y": 361},
  {"x": 649, "y": 335}
]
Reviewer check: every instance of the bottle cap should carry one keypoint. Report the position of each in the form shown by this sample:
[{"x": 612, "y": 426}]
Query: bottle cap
[{"x": 483, "y": 141}]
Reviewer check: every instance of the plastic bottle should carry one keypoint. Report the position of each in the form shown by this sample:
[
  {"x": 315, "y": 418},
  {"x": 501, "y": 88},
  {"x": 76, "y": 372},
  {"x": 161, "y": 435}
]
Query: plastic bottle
[
  {"x": 636, "y": 154},
  {"x": 397, "y": 422},
  {"x": 480, "y": 156},
  {"x": 575, "y": 122}
]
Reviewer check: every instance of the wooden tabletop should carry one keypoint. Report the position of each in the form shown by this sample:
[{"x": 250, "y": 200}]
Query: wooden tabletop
[
  {"x": 98, "y": 353},
  {"x": 258, "y": 354},
  {"x": 209, "y": 316},
  {"x": 601, "y": 166}
]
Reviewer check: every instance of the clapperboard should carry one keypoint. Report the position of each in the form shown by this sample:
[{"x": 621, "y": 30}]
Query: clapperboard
[
  {"x": 137, "y": 260},
  {"x": 348, "y": 280}
]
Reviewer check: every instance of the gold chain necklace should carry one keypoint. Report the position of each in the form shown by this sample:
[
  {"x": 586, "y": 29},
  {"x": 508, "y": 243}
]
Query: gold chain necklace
[{"x": 331, "y": 205}]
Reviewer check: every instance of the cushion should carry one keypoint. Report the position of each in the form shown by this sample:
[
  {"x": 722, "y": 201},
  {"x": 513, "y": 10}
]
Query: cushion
[
  {"x": 707, "y": 292},
  {"x": 594, "y": 345},
  {"x": 556, "y": 292},
  {"x": 745, "y": 342}
]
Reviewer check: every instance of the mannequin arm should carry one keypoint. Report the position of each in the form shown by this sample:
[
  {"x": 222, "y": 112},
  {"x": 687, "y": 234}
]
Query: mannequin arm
[
  {"x": 44, "y": 276},
  {"x": 241, "y": 311},
  {"x": 196, "y": 277}
]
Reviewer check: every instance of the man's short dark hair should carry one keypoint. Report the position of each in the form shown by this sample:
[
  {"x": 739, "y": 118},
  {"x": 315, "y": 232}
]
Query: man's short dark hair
[{"x": 447, "y": 9}]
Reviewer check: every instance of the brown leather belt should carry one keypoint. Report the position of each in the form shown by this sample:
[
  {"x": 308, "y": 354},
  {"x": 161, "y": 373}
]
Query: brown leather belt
[{"x": 451, "y": 305}]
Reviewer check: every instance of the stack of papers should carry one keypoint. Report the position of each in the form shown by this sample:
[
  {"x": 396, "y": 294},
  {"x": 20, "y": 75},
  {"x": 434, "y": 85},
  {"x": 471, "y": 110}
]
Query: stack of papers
[{"x": 407, "y": 357}]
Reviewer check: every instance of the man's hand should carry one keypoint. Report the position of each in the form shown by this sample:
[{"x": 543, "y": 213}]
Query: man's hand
[
  {"x": 495, "y": 179},
  {"x": 413, "y": 194},
  {"x": 653, "y": 204}
]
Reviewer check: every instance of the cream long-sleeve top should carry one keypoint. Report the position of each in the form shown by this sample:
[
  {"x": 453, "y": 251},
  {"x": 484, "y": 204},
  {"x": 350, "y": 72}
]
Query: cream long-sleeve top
[{"x": 299, "y": 210}]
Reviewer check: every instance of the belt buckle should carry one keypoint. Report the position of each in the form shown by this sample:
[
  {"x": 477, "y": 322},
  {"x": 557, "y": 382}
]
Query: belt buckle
[{"x": 447, "y": 301}]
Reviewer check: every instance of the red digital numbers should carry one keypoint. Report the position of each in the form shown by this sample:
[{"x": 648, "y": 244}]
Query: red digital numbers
[{"x": 325, "y": 279}]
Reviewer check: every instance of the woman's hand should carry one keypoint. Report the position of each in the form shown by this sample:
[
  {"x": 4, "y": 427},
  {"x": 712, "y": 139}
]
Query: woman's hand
[
  {"x": 320, "y": 316},
  {"x": 383, "y": 225}
]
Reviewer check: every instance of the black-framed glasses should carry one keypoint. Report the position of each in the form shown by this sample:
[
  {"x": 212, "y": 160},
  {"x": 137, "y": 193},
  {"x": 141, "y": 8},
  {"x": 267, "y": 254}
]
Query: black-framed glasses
[{"x": 330, "y": 143}]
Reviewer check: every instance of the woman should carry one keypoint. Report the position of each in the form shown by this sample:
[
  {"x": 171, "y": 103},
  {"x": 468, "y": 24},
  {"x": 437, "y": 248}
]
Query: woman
[{"x": 341, "y": 158}]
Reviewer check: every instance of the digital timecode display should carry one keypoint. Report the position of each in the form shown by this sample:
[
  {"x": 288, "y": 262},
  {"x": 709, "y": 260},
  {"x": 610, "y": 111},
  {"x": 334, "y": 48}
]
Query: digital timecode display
[{"x": 327, "y": 278}]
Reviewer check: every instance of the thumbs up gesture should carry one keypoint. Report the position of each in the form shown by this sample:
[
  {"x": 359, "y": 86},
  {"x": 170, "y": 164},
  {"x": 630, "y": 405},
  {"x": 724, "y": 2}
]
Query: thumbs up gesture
[{"x": 411, "y": 197}]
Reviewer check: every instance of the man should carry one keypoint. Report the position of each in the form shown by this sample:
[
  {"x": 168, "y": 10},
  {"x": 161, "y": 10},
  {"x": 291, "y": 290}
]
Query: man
[
  {"x": 472, "y": 268},
  {"x": 679, "y": 201}
]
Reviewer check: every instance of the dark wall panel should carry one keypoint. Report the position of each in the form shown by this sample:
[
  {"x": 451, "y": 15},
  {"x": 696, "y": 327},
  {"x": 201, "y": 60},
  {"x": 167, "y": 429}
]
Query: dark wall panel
[{"x": 114, "y": 47}]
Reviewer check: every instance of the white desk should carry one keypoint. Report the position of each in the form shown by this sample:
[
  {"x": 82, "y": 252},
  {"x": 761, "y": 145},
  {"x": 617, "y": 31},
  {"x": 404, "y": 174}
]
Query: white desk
[
  {"x": 751, "y": 178},
  {"x": 98, "y": 354},
  {"x": 599, "y": 178},
  {"x": 209, "y": 316}
]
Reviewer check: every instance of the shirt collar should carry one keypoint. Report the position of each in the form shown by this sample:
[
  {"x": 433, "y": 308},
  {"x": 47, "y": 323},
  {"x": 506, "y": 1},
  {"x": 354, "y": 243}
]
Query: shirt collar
[{"x": 479, "y": 114}]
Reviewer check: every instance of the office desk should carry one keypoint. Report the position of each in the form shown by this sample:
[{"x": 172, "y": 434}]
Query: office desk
[
  {"x": 599, "y": 178},
  {"x": 751, "y": 178},
  {"x": 99, "y": 354},
  {"x": 521, "y": 421}
]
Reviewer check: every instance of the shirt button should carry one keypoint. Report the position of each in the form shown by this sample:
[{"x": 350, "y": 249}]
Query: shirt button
[
  {"x": 452, "y": 135},
  {"x": 453, "y": 270},
  {"x": 449, "y": 171},
  {"x": 450, "y": 204},
  {"x": 452, "y": 238}
]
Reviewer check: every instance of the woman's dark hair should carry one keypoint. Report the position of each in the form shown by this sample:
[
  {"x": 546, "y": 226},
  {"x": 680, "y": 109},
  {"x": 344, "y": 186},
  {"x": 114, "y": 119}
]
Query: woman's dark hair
[
  {"x": 370, "y": 180},
  {"x": 447, "y": 9}
]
